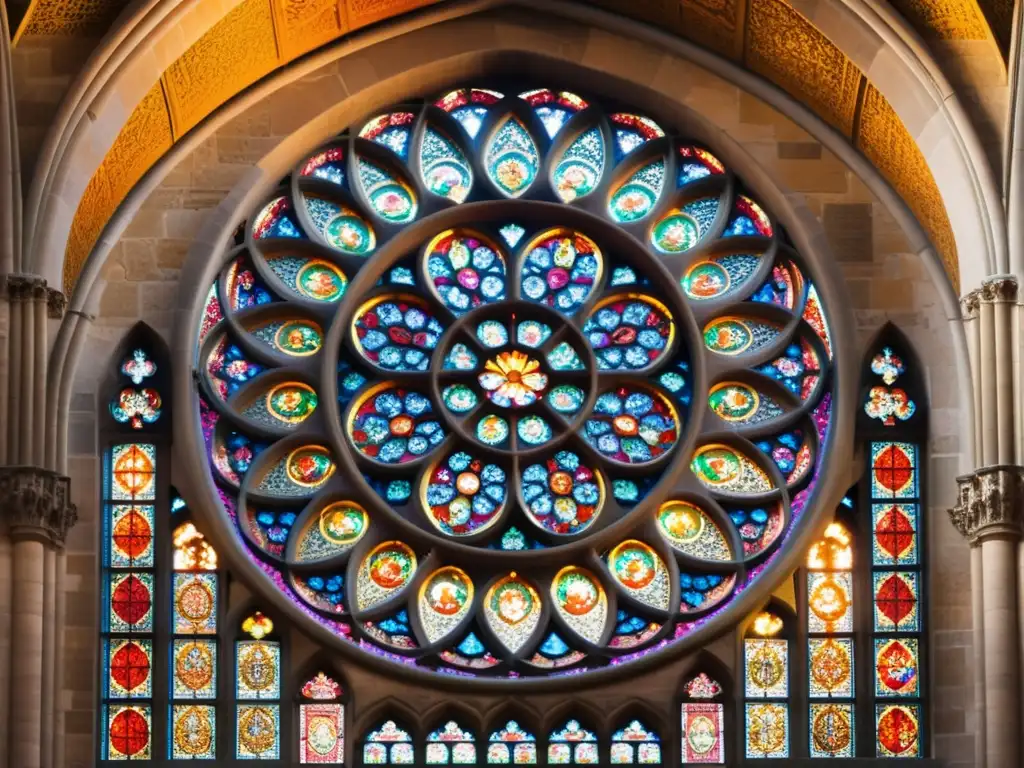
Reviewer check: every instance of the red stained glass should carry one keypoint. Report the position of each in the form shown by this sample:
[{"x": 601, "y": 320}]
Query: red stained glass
[
  {"x": 132, "y": 534},
  {"x": 129, "y": 666},
  {"x": 129, "y": 733},
  {"x": 895, "y": 601},
  {"x": 895, "y": 535},
  {"x": 893, "y": 470},
  {"x": 130, "y": 600},
  {"x": 896, "y": 667},
  {"x": 898, "y": 731}
]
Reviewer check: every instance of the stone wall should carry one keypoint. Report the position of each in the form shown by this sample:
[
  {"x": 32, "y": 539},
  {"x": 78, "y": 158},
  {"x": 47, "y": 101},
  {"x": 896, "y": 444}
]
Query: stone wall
[{"x": 884, "y": 282}]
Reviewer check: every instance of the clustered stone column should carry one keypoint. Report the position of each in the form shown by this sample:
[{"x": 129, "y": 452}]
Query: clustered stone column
[{"x": 989, "y": 515}]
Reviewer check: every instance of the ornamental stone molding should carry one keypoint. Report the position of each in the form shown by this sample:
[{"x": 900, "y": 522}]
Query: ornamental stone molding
[
  {"x": 989, "y": 503},
  {"x": 36, "y": 503},
  {"x": 25, "y": 287},
  {"x": 969, "y": 304},
  {"x": 999, "y": 288},
  {"x": 56, "y": 303}
]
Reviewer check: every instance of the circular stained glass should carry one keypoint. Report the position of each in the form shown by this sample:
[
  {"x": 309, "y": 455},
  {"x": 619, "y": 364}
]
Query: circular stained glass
[{"x": 526, "y": 417}]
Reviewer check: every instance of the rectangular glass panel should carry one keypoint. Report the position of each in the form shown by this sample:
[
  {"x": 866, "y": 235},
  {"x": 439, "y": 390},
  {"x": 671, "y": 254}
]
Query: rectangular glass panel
[
  {"x": 195, "y": 603},
  {"x": 524, "y": 754},
  {"x": 648, "y": 754},
  {"x": 702, "y": 729},
  {"x": 831, "y": 730},
  {"x": 130, "y": 528},
  {"x": 586, "y": 753},
  {"x": 437, "y": 754},
  {"x": 897, "y": 668},
  {"x": 622, "y": 753},
  {"x": 130, "y": 601},
  {"x": 133, "y": 471},
  {"x": 128, "y": 731},
  {"x": 498, "y": 754},
  {"x": 321, "y": 733},
  {"x": 896, "y": 601},
  {"x": 464, "y": 753},
  {"x": 898, "y": 730},
  {"x": 375, "y": 754},
  {"x": 894, "y": 471},
  {"x": 559, "y": 754},
  {"x": 401, "y": 754},
  {"x": 767, "y": 730},
  {"x": 127, "y": 666},
  {"x": 830, "y": 601},
  {"x": 257, "y": 732},
  {"x": 830, "y": 667},
  {"x": 257, "y": 670},
  {"x": 194, "y": 669},
  {"x": 894, "y": 528},
  {"x": 767, "y": 667},
  {"x": 193, "y": 732}
]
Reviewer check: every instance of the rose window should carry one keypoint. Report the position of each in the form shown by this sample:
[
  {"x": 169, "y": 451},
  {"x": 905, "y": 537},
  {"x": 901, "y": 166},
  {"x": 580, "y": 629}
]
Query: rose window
[{"x": 514, "y": 386}]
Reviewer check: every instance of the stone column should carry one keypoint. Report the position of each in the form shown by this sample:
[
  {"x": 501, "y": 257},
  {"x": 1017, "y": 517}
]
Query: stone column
[
  {"x": 38, "y": 512},
  {"x": 989, "y": 514}
]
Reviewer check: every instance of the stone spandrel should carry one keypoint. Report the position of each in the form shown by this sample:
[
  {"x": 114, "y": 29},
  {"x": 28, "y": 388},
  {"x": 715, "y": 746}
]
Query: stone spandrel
[
  {"x": 36, "y": 503},
  {"x": 989, "y": 503}
]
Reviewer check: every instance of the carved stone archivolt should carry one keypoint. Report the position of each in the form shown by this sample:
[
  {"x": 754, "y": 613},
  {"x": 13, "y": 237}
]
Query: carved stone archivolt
[
  {"x": 999, "y": 288},
  {"x": 36, "y": 503},
  {"x": 25, "y": 287},
  {"x": 989, "y": 503}
]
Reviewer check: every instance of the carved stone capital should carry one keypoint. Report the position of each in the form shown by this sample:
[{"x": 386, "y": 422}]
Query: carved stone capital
[
  {"x": 36, "y": 503},
  {"x": 25, "y": 287},
  {"x": 969, "y": 304},
  {"x": 999, "y": 288},
  {"x": 56, "y": 303},
  {"x": 990, "y": 504}
]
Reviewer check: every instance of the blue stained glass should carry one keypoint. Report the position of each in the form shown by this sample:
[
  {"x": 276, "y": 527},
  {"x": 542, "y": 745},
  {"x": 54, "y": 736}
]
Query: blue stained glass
[
  {"x": 231, "y": 369},
  {"x": 512, "y": 234},
  {"x": 444, "y": 168},
  {"x": 349, "y": 382},
  {"x": 630, "y": 492},
  {"x": 789, "y": 452},
  {"x": 393, "y": 491},
  {"x": 511, "y": 158},
  {"x": 638, "y": 196},
  {"x": 276, "y": 220},
  {"x": 391, "y": 131},
  {"x": 632, "y": 132},
  {"x": 392, "y": 630},
  {"x": 696, "y": 590},
  {"x": 329, "y": 589},
  {"x": 580, "y": 168},
  {"x": 561, "y": 271},
  {"x": 402, "y": 274},
  {"x": 628, "y": 333},
  {"x": 275, "y": 525},
  {"x": 397, "y": 334},
  {"x": 471, "y": 119},
  {"x": 178, "y": 504},
  {"x": 554, "y": 646},
  {"x": 553, "y": 118},
  {"x": 792, "y": 371},
  {"x": 562, "y": 495},
  {"x": 513, "y": 540},
  {"x": 471, "y": 646},
  {"x": 245, "y": 288},
  {"x": 627, "y": 623},
  {"x": 239, "y": 452}
]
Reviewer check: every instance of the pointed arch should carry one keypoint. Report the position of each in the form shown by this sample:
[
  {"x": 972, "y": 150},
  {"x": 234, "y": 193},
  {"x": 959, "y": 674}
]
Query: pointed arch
[
  {"x": 575, "y": 733},
  {"x": 512, "y": 734},
  {"x": 768, "y": 639},
  {"x": 896, "y": 394},
  {"x": 451, "y": 734},
  {"x": 321, "y": 695},
  {"x": 637, "y": 734},
  {"x": 388, "y": 735},
  {"x": 706, "y": 723},
  {"x": 135, "y": 392}
]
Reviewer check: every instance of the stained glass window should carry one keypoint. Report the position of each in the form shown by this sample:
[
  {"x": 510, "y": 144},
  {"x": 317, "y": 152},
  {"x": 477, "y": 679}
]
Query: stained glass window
[
  {"x": 461, "y": 394},
  {"x": 129, "y": 548},
  {"x": 321, "y": 722},
  {"x": 893, "y": 511},
  {"x": 766, "y": 688},
  {"x": 572, "y": 744},
  {"x": 512, "y": 745},
  {"x": 135, "y": 405},
  {"x": 702, "y": 723},
  {"x": 257, "y": 691},
  {"x": 451, "y": 744},
  {"x": 388, "y": 745},
  {"x": 634, "y": 743},
  {"x": 830, "y": 644}
]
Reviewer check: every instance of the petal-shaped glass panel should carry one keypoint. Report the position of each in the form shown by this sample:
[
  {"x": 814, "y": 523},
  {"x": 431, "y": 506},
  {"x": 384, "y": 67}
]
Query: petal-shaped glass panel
[
  {"x": 682, "y": 228},
  {"x": 512, "y": 158},
  {"x": 579, "y": 170},
  {"x": 784, "y": 287},
  {"x": 335, "y": 529},
  {"x": 327, "y": 165},
  {"x": 632, "y": 425},
  {"x": 277, "y": 219},
  {"x": 390, "y": 197},
  {"x": 689, "y": 529},
  {"x": 466, "y": 270},
  {"x": 701, "y": 591},
  {"x": 739, "y": 403},
  {"x": 314, "y": 279},
  {"x": 464, "y": 495},
  {"x": 723, "y": 468},
  {"x": 758, "y": 527},
  {"x": 512, "y": 610},
  {"x": 797, "y": 369},
  {"x": 444, "y": 601},
  {"x": 469, "y": 106},
  {"x": 696, "y": 164},
  {"x": 748, "y": 219},
  {"x": 736, "y": 335},
  {"x": 632, "y": 132},
  {"x": 244, "y": 288},
  {"x": 638, "y": 196},
  {"x": 396, "y": 333},
  {"x": 444, "y": 168},
  {"x": 560, "y": 269},
  {"x": 342, "y": 227},
  {"x": 384, "y": 573},
  {"x": 393, "y": 425},
  {"x": 719, "y": 275},
  {"x": 287, "y": 405},
  {"x": 629, "y": 331},
  {"x": 562, "y": 495},
  {"x": 553, "y": 107},
  {"x": 300, "y": 473},
  {"x": 580, "y": 600},
  {"x": 641, "y": 572},
  {"x": 296, "y": 337}
]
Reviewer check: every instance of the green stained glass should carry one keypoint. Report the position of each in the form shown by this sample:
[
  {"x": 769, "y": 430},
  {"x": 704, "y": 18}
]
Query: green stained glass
[
  {"x": 579, "y": 171},
  {"x": 391, "y": 198},
  {"x": 444, "y": 168},
  {"x": 637, "y": 197},
  {"x": 512, "y": 158}
]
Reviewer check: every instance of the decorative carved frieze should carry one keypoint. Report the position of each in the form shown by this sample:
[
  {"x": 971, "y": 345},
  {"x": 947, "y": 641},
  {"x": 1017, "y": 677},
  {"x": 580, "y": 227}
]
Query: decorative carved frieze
[
  {"x": 999, "y": 288},
  {"x": 990, "y": 503},
  {"x": 25, "y": 287},
  {"x": 36, "y": 503}
]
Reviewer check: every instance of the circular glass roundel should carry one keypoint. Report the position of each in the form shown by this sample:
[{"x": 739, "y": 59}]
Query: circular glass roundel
[{"x": 419, "y": 383}]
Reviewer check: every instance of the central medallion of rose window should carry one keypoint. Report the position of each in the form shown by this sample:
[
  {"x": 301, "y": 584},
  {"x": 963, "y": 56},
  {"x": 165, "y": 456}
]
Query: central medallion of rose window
[{"x": 513, "y": 380}]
